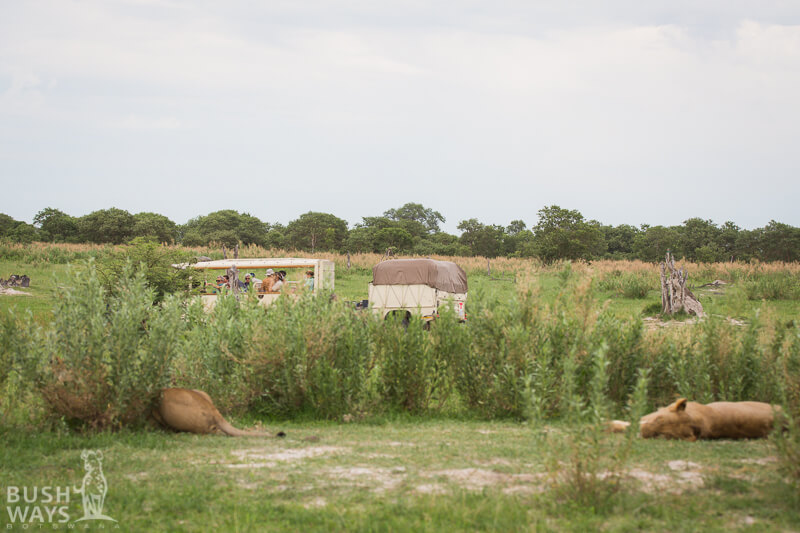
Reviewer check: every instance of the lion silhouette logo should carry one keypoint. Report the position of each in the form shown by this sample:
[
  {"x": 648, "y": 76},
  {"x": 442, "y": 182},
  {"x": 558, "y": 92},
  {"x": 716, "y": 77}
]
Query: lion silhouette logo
[{"x": 94, "y": 487}]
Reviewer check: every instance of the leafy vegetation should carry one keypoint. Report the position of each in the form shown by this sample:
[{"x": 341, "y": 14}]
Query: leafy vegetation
[
  {"x": 321, "y": 358},
  {"x": 559, "y": 234},
  {"x": 102, "y": 361},
  {"x": 496, "y": 423}
]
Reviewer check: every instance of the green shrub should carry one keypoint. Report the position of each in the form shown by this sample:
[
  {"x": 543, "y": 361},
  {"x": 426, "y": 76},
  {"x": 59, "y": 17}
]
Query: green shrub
[
  {"x": 773, "y": 286},
  {"x": 103, "y": 357},
  {"x": 154, "y": 261},
  {"x": 210, "y": 357},
  {"x": 623, "y": 340},
  {"x": 633, "y": 285},
  {"x": 310, "y": 356},
  {"x": 406, "y": 364},
  {"x": 787, "y": 439},
  {"x": 103, "y": 361},
  {"x": 596, "y": 461}
]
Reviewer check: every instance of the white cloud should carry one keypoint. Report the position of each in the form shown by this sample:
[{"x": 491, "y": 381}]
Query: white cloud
[
  {"x": 136, "y": 122},
  {"x": 432, "y": 97}
]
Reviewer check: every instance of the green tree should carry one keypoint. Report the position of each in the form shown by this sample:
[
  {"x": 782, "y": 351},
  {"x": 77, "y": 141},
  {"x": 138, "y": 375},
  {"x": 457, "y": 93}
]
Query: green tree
[
  {"x": 376, "y": 234},
  {"x": 748, "y": 244},
  {"x": 360, "y": 240},
  {"x": 564, "y": 234},
  {"x": 440, "y": 243},
  {"x": 516, "y": 237},
  {"x": 619, "y": 240},
  {"x": 428, "y": 218},
  {"x": 316, "y": 232},
  {"x": 56, "y": 225},
  {"x": 16, "y": 230},
  {"x": 106, "y": 226},
  {"x": 516, "y": 227},
  {"x": 396, "y": 238},
  {"x": 482, "y": 239},
  {"x": 728, "y": 237},
  {"x": 700, "y": 238},
  {"x": 652, "y": 243},
  {"x": 780, "y": 242},
  {"x": 276, "y": 237},
  {"x": 226, "y": 227},
  {"x": 154, "y": 226}
]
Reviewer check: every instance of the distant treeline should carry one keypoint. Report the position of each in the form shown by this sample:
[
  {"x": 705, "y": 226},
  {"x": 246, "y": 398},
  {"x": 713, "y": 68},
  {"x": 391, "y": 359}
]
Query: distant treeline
[{"x": 414, "y": 229}]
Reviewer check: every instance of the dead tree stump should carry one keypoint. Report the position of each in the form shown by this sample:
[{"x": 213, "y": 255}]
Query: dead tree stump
[{"x": 675, "y": 296}]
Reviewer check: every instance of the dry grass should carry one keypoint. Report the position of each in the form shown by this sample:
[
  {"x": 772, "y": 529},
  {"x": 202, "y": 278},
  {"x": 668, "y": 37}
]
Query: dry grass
[{"x": 523, "y": 267}]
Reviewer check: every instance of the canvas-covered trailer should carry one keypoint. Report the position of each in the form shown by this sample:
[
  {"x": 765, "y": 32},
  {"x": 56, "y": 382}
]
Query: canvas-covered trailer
[
  {"x": 324, "y": 275},
  {"x": 417, "y": 286}
]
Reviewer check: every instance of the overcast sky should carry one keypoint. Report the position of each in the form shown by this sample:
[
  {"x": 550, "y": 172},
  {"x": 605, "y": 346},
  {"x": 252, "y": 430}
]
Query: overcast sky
[{"x": 628, "y": 111}]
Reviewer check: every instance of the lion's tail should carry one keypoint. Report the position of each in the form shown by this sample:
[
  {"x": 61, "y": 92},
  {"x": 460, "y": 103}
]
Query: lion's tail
[{"x": 229, "y": 430}]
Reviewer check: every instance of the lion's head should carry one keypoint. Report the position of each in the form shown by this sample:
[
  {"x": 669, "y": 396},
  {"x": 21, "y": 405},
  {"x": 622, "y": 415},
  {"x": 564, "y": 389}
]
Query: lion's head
[{"x": 672, "y": 422}]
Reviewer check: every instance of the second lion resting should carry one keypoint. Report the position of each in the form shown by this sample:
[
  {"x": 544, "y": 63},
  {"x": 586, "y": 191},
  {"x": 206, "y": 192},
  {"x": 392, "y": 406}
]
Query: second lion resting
[
  {"x": 718, "y": 420},
  {"x": 194, "y": 412}
]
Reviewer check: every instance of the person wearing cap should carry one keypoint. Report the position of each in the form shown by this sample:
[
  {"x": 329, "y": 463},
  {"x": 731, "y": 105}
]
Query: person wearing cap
[{"x": 269, "y": 281}]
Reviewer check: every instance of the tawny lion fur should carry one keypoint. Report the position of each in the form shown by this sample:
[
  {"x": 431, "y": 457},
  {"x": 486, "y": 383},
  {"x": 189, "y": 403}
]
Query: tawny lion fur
[
  {"x": 719, "y": 420},
  {"x": 194, "y": 412}
]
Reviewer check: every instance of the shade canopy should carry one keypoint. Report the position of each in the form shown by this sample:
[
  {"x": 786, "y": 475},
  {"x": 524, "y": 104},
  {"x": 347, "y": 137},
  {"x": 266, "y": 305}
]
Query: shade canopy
[{"x": 443, "y": 275}]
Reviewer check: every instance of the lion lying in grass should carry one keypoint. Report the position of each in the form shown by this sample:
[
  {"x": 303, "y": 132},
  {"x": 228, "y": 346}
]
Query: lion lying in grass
[
  {"x": 194, "y": 412},
  {"x": 719, "y": 420}
]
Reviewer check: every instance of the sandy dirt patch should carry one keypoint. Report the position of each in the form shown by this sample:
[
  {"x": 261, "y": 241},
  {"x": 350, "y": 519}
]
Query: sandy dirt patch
[
  {"x": 495, "y": 461},
  {"x": 685, "y": 475},
  {"x": 256, "y": 458},
  {"x": 478, "y": 478},
  {"x": 761, "y": 461},
  {"x": 316, "y": 503},
  {"x": 379, "y": 479},
  {"x": 431, "y": 488}
]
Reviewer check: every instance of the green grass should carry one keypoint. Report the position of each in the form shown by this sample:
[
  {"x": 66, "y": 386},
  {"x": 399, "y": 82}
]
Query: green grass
[
  {"x": 351, "y": 285},
  {"x": 400, "y": 475},
  {"x": 44, "y": 289}
]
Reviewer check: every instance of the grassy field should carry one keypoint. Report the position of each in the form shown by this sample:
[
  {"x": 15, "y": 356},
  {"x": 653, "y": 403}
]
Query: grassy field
[
  {"x": 506, "y": 279},
  {"x": 406, "y": 475},
  {"x": 446, "y": 469}
]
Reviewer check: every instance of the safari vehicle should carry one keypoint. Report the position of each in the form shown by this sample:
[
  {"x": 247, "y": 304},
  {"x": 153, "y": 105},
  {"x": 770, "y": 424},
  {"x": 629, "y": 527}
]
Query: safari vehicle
[
  {"x": 417, "y": 287},
  {"x": 324, "y": 274}
]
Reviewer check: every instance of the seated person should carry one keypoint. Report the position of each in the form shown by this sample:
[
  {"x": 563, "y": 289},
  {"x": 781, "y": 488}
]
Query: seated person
[
  {"x": 268, "y": 281},
  {"x": 279, "y": 277},
  {"x": 309, "y": 284}
]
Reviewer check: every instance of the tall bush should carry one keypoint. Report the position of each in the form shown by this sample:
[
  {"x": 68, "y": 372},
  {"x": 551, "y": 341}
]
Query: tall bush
[
  {"x": 310, "y": 356},
  {"x": 103, "y": 361}
]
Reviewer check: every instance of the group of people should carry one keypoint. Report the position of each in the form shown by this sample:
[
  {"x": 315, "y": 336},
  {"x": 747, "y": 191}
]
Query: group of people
[{"x": 272, "y": 282}]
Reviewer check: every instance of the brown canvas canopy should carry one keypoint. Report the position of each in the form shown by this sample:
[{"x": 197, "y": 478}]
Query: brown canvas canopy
[{"x": 442, "y": 275}]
